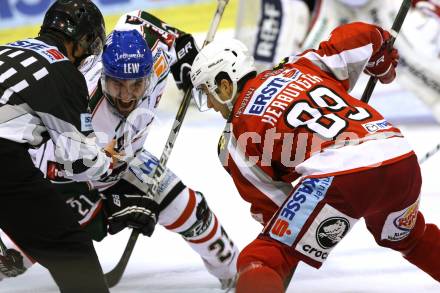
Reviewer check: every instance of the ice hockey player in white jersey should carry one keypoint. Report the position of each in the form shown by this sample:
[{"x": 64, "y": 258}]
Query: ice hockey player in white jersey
[
  {"x": 286, "y": 27},
  {"x": 125, "y": 86}
]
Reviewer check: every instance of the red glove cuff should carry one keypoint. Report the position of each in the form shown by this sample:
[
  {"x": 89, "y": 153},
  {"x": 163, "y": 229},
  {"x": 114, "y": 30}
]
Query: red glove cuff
[{"x": 383, "y": 62}]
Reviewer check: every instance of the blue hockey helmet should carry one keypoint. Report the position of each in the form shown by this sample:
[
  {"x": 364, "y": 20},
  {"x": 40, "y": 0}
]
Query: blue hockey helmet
[
  {"x": 126, "y": 55},
  {"x": 127, "y": 63}
]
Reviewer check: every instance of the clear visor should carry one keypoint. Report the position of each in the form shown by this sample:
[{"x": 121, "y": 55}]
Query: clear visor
[
  {"x": 124, "y": 94},
  {"x": 200, "y": 95},
  {"x": 95, "y": 48},
  {"x": 91, "y": 46}
]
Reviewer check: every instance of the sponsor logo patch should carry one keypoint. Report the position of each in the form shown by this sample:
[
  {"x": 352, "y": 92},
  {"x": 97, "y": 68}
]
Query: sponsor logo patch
[
  {"x": 55, "y": 172},
  {"x": 399, "y": 224},
  {"x": 327, "y": 230},
  {"x": 297, "y": 209},
  {"x": 50, "y": 53},
  {"x": 143, "y": 167},
  {"x": 266, "y": 93},
  {"x": 86, "y": 122},
  {"x": 331, "y": 231},
  {"x": 204, "y": 218},
  {"x": 57, "y": 55},
  {"x": 160, "y": 64},
  {"x": 375, "y": 126}
]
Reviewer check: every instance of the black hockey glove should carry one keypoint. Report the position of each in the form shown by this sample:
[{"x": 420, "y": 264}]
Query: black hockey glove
[
  {"x": 186, "y": 50},
  {"x": 11, "y": 263},
  {"x": 127, "y": 206}
]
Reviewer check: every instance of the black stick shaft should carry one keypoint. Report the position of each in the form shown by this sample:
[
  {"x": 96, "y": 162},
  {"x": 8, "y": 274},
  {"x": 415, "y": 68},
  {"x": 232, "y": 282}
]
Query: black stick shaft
[
  {"x": 395, "y": 29},
  {"x": 114, "y": 276}
]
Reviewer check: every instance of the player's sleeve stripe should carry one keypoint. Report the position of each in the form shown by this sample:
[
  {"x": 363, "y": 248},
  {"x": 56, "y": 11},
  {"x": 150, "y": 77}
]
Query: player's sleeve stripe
[{"x": 186, "y": 213}]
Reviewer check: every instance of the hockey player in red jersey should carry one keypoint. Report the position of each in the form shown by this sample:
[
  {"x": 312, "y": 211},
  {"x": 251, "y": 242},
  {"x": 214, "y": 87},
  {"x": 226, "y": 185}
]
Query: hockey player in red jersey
[
  {"x": 298, "y": 122},
  {"x": 284, "y": 28}
]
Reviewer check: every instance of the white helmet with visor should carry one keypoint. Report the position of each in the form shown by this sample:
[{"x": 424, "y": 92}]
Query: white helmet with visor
[{"x": 231, "y": 57}]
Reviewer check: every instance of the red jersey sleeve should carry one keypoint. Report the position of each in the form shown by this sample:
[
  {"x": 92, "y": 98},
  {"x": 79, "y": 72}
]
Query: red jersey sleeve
[{"x": 346, "y": 53}]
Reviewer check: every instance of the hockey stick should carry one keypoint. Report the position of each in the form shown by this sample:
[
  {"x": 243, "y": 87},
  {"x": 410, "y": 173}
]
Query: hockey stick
[
  {"x": 115, "y": 275},
  {"x": 397, "y": 24},
  {"x": 429, "y": 154}
]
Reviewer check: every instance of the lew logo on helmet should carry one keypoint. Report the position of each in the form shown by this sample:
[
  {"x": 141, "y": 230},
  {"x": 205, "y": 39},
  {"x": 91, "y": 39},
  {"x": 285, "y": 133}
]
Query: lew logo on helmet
[{"x": 131, "y": 68}]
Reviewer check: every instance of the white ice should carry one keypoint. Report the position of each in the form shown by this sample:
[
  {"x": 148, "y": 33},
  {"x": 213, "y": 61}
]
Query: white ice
[{"x": 164, "y": 263}]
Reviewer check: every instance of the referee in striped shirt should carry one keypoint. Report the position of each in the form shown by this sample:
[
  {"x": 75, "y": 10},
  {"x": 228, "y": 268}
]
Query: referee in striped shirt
[{"x": 44, "y": 96}]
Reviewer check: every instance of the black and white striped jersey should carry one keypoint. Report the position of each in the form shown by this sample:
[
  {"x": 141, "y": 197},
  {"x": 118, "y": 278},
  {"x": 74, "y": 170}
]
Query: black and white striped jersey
[{"x": 43, "y": 96}]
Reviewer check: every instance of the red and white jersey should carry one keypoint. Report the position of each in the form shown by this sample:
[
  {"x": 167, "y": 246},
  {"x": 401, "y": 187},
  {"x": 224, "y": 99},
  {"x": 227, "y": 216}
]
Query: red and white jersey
[{"x": 300, "y": 121}]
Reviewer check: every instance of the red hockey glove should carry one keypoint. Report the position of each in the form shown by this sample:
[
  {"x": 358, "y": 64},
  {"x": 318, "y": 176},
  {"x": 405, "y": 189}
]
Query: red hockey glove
[{"x": 383, "y": 63}]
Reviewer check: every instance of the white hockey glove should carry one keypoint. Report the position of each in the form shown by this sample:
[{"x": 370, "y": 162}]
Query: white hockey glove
[
  {"x": 11, "y": 263},
  {"x": 127, "y": 206}
]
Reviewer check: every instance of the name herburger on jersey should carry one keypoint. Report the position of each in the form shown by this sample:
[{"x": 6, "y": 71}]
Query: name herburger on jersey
[{"x": 277, "y": 93}]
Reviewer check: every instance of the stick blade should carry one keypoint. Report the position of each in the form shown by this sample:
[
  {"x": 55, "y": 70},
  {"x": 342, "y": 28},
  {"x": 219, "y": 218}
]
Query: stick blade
[{"x": 114, "y": 276}]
